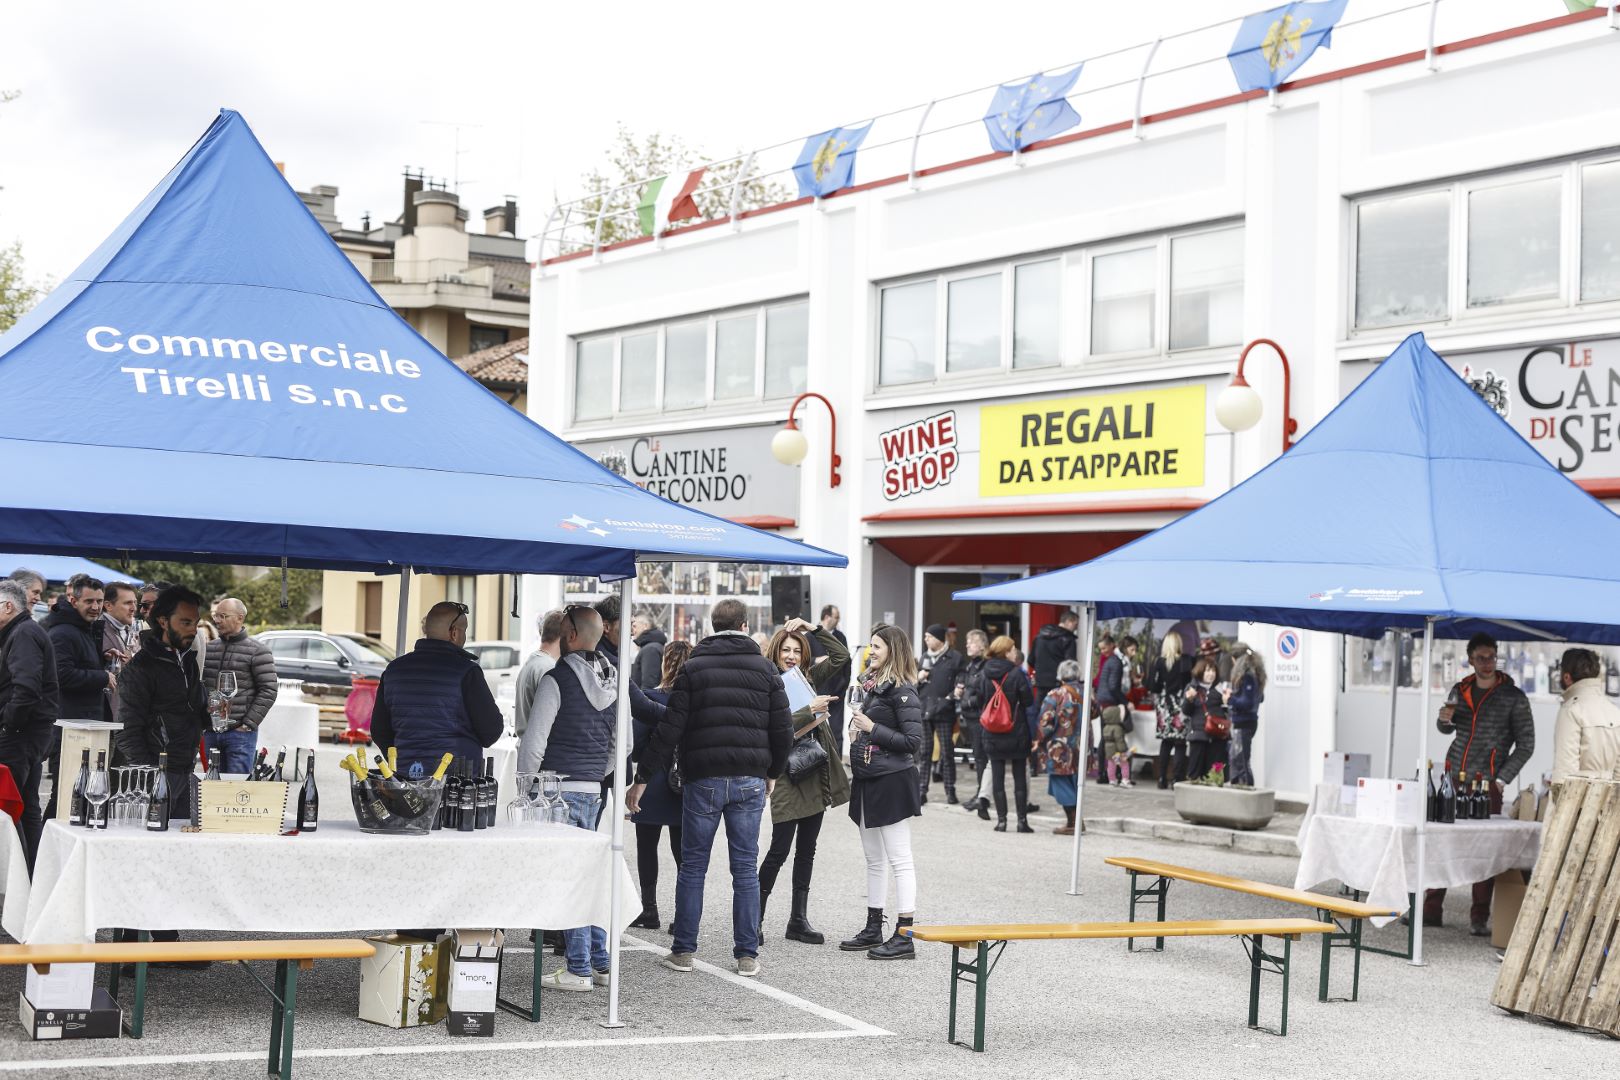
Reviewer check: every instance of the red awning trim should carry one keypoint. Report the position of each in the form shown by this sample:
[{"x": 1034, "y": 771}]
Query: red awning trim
[{"x": 956, "y": 513}]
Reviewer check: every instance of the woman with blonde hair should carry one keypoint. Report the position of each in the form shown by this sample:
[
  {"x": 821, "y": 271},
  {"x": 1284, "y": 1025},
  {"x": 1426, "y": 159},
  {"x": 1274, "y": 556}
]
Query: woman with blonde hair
[
  {"x": 799, "y": 803},
  {"x": 887, "y": 729},
  {"x": 1171, "y": 673},
  {"x": 1008, "y": 748}
]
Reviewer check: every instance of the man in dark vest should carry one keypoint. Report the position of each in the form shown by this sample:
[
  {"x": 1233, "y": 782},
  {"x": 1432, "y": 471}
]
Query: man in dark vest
[
  {"x": 571, "y": 732},
  {"x": 433, "y": 700}
]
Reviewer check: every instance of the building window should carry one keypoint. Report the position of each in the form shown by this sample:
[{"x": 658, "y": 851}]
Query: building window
[
  {"x": 907, "y": 351},
  {"x": 973, "y": 323},
  {"x": 486, "y": 337},
  {"x": 1600, "y": 231},
  {"x": 593, "y": 379},
  {"x": 1037, "y": 303},
  {"x": 461, "y": 589},
  {"x": 638, "y": 372},
  {"x": 787, "y": 350},
  {"x": 1402, "y": 259},
  {"x": 1123, "y": 300},
  {"x": 1513, "y": 249},
  {"x": 730, "y": 357},
  {"x": 1206, "y": 289}
]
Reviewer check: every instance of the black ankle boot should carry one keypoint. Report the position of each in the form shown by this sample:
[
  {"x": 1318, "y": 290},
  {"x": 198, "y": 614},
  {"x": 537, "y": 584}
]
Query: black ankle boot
[
  {"x": 872, "y": 935},
  {"x": 763, "y": 896},
  {"x": 1023, "y": 824},
  {"x": 1001, "y": 823},
  {"x": 798, "y": 927},
  {"x": 898, "y": 947},
  {"x": 647, "y": 920},
  {"x": 950, "y": 795},
  {"x": 984, "y": 809}
]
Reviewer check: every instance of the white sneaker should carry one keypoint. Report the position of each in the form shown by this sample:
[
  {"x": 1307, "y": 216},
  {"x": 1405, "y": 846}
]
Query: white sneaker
[
  {"x": 599, "y": 978},
  {"x": 1130, "y": 783},
  {"x": 563, "y": 979},
  {"x": 747, "y": 967}
]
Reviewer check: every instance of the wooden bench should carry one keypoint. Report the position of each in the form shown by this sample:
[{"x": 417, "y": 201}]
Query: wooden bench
[
  {"x": 992, "y": 939},
  {"x": 1346, "y": 914},
  {"x": 291, "y": 957}
]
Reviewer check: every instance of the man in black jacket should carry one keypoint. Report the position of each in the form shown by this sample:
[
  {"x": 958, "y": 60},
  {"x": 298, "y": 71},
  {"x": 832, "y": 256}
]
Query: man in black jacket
[
  {"x": 74, "y": 626},
  {"x": 937, "y": 671},
  {"x": 161, "y": 702},
  {"x": 1054, "y": 644},
  {"x": 28, "y": 705},
  {"x": 648, "y": 669},
  {"x": 728, "y": 717}
]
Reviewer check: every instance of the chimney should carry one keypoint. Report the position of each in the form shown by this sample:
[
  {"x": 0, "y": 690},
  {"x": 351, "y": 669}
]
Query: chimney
[
  {"x": 501, "y": 220},
  {"x": 434, "y": 207},
  {"x": 413, "y": 184}
]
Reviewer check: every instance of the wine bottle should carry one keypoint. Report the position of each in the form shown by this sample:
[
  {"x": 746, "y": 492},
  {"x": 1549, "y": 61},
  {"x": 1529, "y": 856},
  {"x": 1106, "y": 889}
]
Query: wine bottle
[
  {"x": 78, "y": 810},
  {"x": 1483, "y": 800},
  {"x": 486, "y": 796},
  {"x": 260, "y": 770},
  {"x": 157, "y": 803},
  {"x": 1432, "y": 803},
  {"x": 281, "y": 761},
  {"x": 393, "y": 758},
  {"x": 213, "y": 765},
  {"x": 1448, "y": 798},
  {"x": 451, "y": 806},
  {"x": 309, "y": 800},
  {"x": 407, "y": 794},
  {"x": 96, "y": 817},
  {"x": 467, "y": 802},
  {"x": 444, "y": 763}
]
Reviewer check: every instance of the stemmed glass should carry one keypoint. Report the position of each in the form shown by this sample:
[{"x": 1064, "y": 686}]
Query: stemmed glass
[
  {"x": 97, "y": 790},
  {"x": 225, "y": 690}
]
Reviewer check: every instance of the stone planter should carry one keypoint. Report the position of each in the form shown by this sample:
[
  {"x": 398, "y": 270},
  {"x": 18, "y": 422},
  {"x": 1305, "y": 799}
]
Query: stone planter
[{"x": 1234, "y": 808}]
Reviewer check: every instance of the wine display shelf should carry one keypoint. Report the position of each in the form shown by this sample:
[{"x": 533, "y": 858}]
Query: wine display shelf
[{"x": 1558, "y": 965}]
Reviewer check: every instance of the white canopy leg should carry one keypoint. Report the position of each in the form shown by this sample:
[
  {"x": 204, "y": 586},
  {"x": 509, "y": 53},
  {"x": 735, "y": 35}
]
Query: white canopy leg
[
  {"x": 1394, "y": 697},
  {"x": 1088, "y": 621},
  {"x": 1423, "y": 755},
  {"x": 622, "y": 739}
]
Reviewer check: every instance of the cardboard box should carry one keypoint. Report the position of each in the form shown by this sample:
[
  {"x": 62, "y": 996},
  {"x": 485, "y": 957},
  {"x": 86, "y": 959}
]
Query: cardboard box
[
  {"x": 1506, "y": 898},
  {"x": 66, "y": 986},
  {"x": 475, "y": 972},
  {"x": 1345, "y": 770},
  {"x": 1403, "y": 802},
  {"x": 403, "y": 985},
  {"x": 104, "y": 1021}
]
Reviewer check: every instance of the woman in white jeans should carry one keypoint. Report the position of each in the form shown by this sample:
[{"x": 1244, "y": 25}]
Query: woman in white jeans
[{"x": 887, "y": 732}]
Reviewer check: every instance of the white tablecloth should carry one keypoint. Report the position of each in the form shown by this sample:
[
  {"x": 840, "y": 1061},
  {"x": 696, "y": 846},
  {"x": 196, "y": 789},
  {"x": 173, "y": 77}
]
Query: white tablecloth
[
  {"x": 1380, "y": 858},
  {"x": 337, "y": 879},
  {"x": 290, "y": 724}
]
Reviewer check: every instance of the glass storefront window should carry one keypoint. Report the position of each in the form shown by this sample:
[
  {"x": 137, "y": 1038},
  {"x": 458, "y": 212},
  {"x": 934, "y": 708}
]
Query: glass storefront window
[
  {"x": 686, "y": 355},
  {"x": 593, "y": 379},
  {"x": 907, "y": 352},
  {"x": 1123, "y": 301},
  {"x": 1600, "y": 231},
  {"x": 1403, "y": 259},
  {"x": 677, "y": 596},
  {"x": 638, "y": 372},
  {"x": 1206, "y": 289},
  {"x": 1513, "y": 245},
  {"x": 1036, "y": 305},
  {"x": 973, "y": 323},
  {"x": 787, "y": 349}
]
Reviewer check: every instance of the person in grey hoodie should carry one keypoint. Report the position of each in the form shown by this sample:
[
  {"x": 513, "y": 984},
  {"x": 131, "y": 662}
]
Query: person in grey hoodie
[{"x": 571, "y": 732}]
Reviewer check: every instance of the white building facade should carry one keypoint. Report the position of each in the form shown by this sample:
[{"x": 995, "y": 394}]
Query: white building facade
[{"x": 1024, "y": 355}]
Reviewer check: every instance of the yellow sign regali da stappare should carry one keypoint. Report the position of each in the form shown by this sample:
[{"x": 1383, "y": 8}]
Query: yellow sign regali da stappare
[{"x": 1103, "y": 442}]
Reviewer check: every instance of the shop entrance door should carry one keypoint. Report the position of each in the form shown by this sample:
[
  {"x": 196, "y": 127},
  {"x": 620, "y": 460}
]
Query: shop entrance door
[{"x": 936, "y": 604}]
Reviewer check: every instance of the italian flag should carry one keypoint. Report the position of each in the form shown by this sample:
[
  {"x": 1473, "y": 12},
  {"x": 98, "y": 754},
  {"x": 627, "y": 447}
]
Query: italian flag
[{"x": 662, "y": 204}]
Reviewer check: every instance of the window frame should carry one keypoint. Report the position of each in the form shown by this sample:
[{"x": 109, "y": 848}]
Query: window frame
[{"x": 710, "y": 321}]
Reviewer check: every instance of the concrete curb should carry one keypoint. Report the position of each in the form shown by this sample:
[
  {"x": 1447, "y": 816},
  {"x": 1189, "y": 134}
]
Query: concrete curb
[{"x": 1254, "y": 843}]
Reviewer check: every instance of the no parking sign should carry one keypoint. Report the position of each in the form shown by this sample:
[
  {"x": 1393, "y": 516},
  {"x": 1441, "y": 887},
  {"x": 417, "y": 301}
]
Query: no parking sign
[{"x": 1287, "y": 667}]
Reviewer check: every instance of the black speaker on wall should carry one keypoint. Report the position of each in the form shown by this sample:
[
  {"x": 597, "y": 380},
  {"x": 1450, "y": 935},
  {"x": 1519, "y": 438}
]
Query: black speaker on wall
[{"x": 790, "y": 598}]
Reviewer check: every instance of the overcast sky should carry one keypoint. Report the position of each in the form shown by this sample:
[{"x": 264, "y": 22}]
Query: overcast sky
[{"x": 350, "y": 93}]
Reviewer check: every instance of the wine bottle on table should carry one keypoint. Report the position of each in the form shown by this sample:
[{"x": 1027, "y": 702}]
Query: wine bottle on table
[
  {"x": 450, "y": 807},
  {"x": 78, "y": 809},
  {"x": 281, "y": 761},
  {"x": 486, "y": 795},
  {"x": 407, "y": 794},
  {"x": 213, "y": 765},
  {"x": 157, "y": 803},
  {"x": 1432, "y": 803},
  {"x": 1448, "y": 798},
  {"x": 260, "y": 769},
  {"x": 309, "y": 800},
  {"x": 1482, "y": 798},
  {"x": 467, "y": 801}
]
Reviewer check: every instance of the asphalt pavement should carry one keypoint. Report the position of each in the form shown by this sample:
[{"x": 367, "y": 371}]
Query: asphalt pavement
[{"x": 1055, "y": 1008}]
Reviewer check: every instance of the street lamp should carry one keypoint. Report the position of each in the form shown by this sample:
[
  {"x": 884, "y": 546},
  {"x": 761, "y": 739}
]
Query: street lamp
[
  {"x": 789, "y": 446},
  {"x": 1238, "y": 406}
]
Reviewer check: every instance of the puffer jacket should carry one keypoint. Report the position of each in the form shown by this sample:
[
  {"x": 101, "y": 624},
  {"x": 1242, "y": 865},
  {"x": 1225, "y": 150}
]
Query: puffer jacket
[
  {"x": 1111, "y": 680},
  {"x": 1052, "y": 646},
  {"x": 897, "y": 732},
  {"x": 1494, "y": 731},
  {"x": 255, "y": 669},
  {"x": 1586, "y": 739},
  {"x": 28, "y": 708},
  {"x": 648, "y": 669},
  {"x": 431, "y": 701},
  {"x": 828, "y": 786},
  {"x": 1206, "y": 701},
  {"x": 80, "y": 675},
  {"x": 1012, "y": 745},
  {"x": 162, "y": 705},
  {"x": 727, "y": 715}
]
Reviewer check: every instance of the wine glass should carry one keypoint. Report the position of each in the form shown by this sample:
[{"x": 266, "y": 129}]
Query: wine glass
[
  {"x": 225, "y": 690},
  {"x": 97, "y": 790}
]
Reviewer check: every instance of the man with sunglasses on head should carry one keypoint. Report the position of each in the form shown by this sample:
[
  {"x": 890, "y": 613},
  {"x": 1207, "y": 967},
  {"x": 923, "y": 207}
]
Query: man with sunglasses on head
[{"x": 433, "y": 700}]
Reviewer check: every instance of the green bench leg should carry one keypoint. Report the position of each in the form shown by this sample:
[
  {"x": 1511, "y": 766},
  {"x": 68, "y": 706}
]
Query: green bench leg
[
  {"x": 137, "y": 1013},
  {"x": 956, "y": 966},
  {"x": 979, "y": 968},
  {"x": 1413, "y": 913},
  {"x": 1258, "y": 959},
  {"x": 281, "y": 1018},
  {"x": 532, "y": 1013},
  {"x": 1155, "y": 893},
  {"x": 1340, "y": 939}
]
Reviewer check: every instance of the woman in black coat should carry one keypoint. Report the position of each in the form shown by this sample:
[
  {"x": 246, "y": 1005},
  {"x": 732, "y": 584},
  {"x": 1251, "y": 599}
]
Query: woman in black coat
[
  {"x": 887, "y": 730},
  {"x": 1007, "y": 748},
  {"x": 1167, "y": 682},
  {"x": 1201, "y": 703},
  {"x": 660, "y": 807}
]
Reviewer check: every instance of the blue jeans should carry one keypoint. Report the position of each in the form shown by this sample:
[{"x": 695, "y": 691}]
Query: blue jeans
[
  {"x": 584, "y": 947},
  {"x": 236, "y": 749},
  {"x": 740, "y": 800},
  {"x": 1238, "y": 770}
]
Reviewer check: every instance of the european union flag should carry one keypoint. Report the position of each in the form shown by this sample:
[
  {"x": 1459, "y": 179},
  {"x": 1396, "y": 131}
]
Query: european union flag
[
  {"x": 1272, "y": 45},
  {"x": 827, "y": 161},
  {"x": 1026, "y": 112}
]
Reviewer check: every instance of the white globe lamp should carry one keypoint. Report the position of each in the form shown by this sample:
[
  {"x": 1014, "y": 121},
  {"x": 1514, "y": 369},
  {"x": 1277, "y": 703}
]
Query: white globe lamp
[
  {"x": 789, "y": 446},
  {"x": 1238, "y": 406}
]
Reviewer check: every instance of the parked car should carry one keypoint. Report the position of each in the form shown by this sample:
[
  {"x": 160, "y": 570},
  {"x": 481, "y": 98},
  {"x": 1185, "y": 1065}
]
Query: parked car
[
  {"x": 318, "y": 657},
  {"x": 501, "y": 661}
]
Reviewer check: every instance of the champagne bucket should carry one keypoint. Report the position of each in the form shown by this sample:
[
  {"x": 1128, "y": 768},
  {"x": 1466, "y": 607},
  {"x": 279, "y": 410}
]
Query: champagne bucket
[{"x": 395, "y": 806}]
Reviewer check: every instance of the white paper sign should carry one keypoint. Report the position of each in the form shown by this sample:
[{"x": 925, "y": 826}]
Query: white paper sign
[
  {"x": 1287, "y": 663},
  {"x": 799, "y": 691}
]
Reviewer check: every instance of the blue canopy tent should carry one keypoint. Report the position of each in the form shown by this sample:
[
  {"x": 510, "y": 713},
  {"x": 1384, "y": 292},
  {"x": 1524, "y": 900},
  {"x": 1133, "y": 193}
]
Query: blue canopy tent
[
  {"x": 274, "y": 410},
  {"x": 1411, "y": 505},
  {"x": 58, "y": 567}
]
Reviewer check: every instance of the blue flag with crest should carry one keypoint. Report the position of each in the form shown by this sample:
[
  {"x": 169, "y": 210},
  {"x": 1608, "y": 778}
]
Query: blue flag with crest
[
  {"x": 1027, "y": 112},
  {"x": 1271, "y": 45},
  {"x": 827, "y": 161}
]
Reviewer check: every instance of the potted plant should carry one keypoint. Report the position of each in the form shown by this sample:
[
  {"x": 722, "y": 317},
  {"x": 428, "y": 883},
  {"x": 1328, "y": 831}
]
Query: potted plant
[{"x": 1210, "y": 800}]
